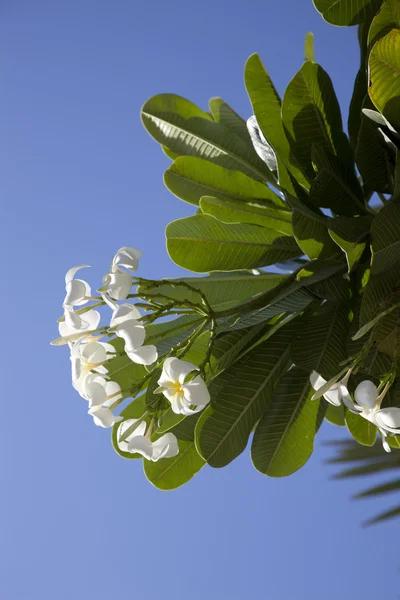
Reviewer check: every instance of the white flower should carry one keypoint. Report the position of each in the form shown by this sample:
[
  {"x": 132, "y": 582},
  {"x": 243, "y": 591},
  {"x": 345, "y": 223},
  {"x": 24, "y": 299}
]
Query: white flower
[
  {"x": 182, "y": 395},
  {"x": 133, "y": 333},
  {"x": 333, "y": 394},
  {"x": 98, "y": 391},
  {"x": 76, "y": 327},
  {"x": 136, "y": 442},
  {"x": 78, "y": 291},
  {"x": 88, "y": 357},
  {"x": 103, "y": 417},
  {"x": 126, "y": 257},
  {"x": 367, "y": 404},
  {"x": 117, "y": 284}
]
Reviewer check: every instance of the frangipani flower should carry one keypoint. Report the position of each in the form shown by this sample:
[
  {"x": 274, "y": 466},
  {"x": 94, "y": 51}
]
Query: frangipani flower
[
  {"x": 98, "y": 391},
  {"x": 137, "y": 442},
  {"x": 117, "y": 284},
  {"x": 78, "y": 291},
  {"x": 103, "y": 417},
  {"x": 333, "y": 395},
  {"x": 88, "y": 357},
  {"x": 367, "y": 404},
  {"x": 133, "y": 333},
  {"x": 181, "y": 395},
  {"x": 76, "y": 327}
]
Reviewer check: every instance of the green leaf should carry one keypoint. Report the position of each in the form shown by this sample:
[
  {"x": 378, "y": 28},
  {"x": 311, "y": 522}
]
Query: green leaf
[
  {"x": 222, "y": 290},
  {"x": 373, "y": 158},
  {"x": 361, "y": 332},
  {"x": 362, "y": 430},
  {"x": 377, "y": 294},
  {"x": 190, "y": 178},
  {"x": 385, "y": 239},
  {"x": 223, "y": 113},
  {"x": 384, "y": 66},
  {"x": 360, "y": 91},
  {"x": 388, "y": 18},
  {"x": 309, "y": 47},
  {"x": 202, "y": 244},
  {"x": 320, "y": 343},
  {"x": 312, "y": 236},
  {"x": 335, "y": 186},
  {"x": 239, "y": 398},
  {"x": 163, "y": 334},
  {"x": 335, "y": 415},
  {"x": 182, "y": 127},
  {"x": 284, "y": 438},
  {"x": 345, "y": 12},
  {"x": 245, "y": 212},
  {"x": 351, "y": 235},
  {"x": 311, "y": 115},
  {"x": 171, "y": 473},
  {"x": 266, "y": 105}
]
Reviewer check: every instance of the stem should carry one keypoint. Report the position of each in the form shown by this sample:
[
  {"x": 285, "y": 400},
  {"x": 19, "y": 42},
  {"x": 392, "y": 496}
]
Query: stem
[{"x": 382, "y": 198}]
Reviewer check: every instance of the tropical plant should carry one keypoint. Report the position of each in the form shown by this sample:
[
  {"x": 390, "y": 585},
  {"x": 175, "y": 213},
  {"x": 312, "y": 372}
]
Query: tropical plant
[{"x": 245, "y": 351}]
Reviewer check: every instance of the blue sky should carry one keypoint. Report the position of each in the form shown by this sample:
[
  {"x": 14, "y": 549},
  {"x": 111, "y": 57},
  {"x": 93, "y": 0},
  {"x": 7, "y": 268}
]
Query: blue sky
[{"x": 80, "y": 178}]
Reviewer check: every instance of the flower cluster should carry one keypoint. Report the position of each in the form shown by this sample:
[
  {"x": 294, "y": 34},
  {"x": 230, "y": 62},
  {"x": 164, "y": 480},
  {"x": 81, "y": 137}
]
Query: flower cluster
[
  {"x": 367, "y": 403},
  {"x": 79, "y": 328}
]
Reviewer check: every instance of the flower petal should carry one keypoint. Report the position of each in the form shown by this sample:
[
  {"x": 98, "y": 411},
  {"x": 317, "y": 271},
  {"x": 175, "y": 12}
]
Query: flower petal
[
  {"x": 176, "y": 369},
  {"x": 165, "y": 447},
  {"x": 317, "y": 381},
  {"x": 146, "y": 355},
  {"x": 141, "y": 445},
  {"x": 389, "y": 419},
  {"x": 71, "y": 273},
  {"x": 103, "y": 417},
  {"x": 125, "y": 425},
  {"x": 118, "y": 285},
  {"x": 77, "y": 290},
  {"x": 133, "y": 333},
  {"x": 127, "y": 257},
  {"x": 124, "y": 312},
  {"x": 196, "y": 391},
  {"x": 366, "y": 394}
]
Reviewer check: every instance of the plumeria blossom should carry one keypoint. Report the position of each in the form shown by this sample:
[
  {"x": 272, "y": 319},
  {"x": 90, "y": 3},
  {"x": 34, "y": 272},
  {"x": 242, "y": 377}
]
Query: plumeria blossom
[
  {"x": 333, "y": 395},
  {"x": 98, "y": 391},
  {"x": 118, "y": 282},
  {"x": 103, "y": 417},
  {"x": 78, "y": 290},
  {"x": 89, "y": 357},
  {"x": 367, "y": 402},
  {"x": 185, "y": 398},
  {"x": 76, "y": 327},
  {"x": 125, "y": 324},
  {"x": 137, "y": 442}
]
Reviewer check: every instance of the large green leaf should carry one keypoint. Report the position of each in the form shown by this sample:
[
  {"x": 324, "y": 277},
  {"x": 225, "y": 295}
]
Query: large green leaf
[
  {"x": 170, "y": 473},
  {"x": 388, "y": 18},
  {"x": 347, "y": 12},
  {"x": 378, "y": 294},
  {"x": 360, "y": 90},
  {"x": 385, "y": 238},
  {"x": 245, "y": 212},
  {"x": 222, "y": 290},
  {"x": 284, "y": 438},
  {"x": 163, "y": 334},
  {"x": 321, "y": 342},
  {"x": 239, "y": 398},
  {"x": 312, "y": 236},
  {"x": 384, "y": 68},
  {"x": 202, "y": 243},
  {"x": 185, "y": 129},
  {"x": 190, "y": 178},
  {"x": 362, "y": 430},
  {"x": 351, "y": 235},
  {"x": 335, "y": 415},
  {"x": 266, "y": 105},
  {"x": 223, "y": 113},
  {"x": 336, "y": 185},
  {"x": 373, "y": 158},
  {"x": 311, "y": 115}
]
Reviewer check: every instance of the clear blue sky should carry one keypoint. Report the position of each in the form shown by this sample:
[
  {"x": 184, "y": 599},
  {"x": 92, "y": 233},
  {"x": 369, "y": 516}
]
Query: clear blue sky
[{"x": 80, "y": 178}]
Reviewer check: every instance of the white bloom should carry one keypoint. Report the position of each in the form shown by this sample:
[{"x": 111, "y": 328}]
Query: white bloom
[
  {"x": 136, "y": 442},
  {"x": 333, "y": 394},
  {"x": 133, "y": 333},
  {"x": 78, "y": 291},
  {"x": 103, "y": 417},
  {"x": 117, "y": 284},
  {"x": 76, "y": 327},
  {"x": 98, "y": 391},
  {"x": 183, "y": 395},
  {"x": 126, "y": 257},
  {"x": 367, "y": 404},
  {"x": 88, "y": 357}
]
